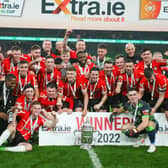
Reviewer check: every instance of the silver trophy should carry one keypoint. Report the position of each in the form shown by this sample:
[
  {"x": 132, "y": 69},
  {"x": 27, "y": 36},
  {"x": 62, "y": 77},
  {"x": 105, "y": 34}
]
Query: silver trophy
[{"x": 85, "y": 135}]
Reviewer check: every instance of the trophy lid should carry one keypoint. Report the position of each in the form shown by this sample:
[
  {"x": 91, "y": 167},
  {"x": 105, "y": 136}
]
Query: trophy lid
[{"x": 87, "y": 124}]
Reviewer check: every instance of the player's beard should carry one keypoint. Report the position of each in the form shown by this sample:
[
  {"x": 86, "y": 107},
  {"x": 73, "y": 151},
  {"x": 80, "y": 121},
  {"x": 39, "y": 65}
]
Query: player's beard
[
  {"x": 71, "y": 81},
  {"x": 49, "y": 70},
  {"x": 16, "y": 60},
  {"x": 23, "y": 74},
  {"x": 108, "y": 73},
  {"x": 129, "y": 72},
  {"x": 82, "y": 63},
  {"x": 93, "y": 81}
]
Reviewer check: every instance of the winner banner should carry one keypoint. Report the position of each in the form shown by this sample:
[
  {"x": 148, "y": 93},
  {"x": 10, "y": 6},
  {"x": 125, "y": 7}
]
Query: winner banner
[{"x": 108, "y": 133}]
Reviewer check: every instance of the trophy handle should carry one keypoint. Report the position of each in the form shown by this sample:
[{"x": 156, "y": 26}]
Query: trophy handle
[
  {"x": 76, "y": 132},
  {"x": 95, "y": 137}
]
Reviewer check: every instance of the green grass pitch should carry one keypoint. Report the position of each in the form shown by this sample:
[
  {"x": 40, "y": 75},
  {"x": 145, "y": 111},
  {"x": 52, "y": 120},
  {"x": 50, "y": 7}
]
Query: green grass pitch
[{"x": 74, "y": 157}]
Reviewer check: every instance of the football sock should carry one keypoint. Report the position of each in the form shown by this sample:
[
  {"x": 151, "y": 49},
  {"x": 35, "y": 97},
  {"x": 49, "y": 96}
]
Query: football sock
[
  {"x": 151, "y": 135},
  {"x": 20, "y": 148},
  {"x": 4, "y": 136}
]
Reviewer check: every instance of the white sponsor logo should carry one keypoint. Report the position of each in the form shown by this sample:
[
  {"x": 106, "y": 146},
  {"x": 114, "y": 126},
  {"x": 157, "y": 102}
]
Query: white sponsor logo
[{"x": 11, "y": 7}]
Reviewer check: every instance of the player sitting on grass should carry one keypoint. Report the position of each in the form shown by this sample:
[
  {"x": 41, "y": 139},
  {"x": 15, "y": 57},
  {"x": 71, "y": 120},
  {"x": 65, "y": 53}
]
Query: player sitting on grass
[
  {"x": 18, "y": 136},
  {"x": 143, "y": 122}
]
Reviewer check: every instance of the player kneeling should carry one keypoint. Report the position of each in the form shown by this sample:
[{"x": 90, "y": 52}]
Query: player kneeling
[
  {"x": 18, "y": 136},
  {"x": 143, "y": 122}
]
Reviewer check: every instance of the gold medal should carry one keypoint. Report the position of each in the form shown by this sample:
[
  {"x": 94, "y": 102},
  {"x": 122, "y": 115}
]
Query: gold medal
[{"x": 92, "y": 91}]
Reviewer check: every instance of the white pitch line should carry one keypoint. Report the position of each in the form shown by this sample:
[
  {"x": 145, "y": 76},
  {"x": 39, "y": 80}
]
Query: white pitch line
[{"x": 95, "y": 160}]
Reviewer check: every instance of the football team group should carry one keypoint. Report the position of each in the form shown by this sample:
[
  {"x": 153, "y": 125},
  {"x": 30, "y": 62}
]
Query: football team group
[{"x": 36, "y": 86}]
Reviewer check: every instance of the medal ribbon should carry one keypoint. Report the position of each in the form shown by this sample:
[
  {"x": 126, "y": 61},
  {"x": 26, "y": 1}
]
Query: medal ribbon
[
  {"x": 98, "y": 62},
  {"x": 135, "y": 113},
  {"x": 146, "y": 66},
  {"x": 20, "y": 83},
  {"x": 33, "y": 127},
  {"x": 107, "y": 83},
  {"x": 92, "y": 91},
  {"x": 12, "y": 67},
  {"x": 26, "y": 105},
  {"x": 132, "y": 80},
  {"x": 4, "y": 94},
  {"x": 153, "y": 88},
  {"x": 83, "y": 71},
  {"x": 51, "y": 78},
  {"x": 73, "y": 90}
]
